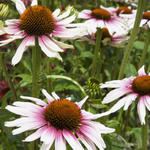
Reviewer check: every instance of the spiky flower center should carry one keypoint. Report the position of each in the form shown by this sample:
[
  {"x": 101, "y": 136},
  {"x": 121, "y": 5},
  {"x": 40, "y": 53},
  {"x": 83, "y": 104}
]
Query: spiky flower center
[
  {"x": 63, "y": 114},
  {"x": 37, "y": 20},
  {"x": 101, "y": 14},
  {"x": 105, "y": 33},
  {"x": 141, "y": 85},
  {"x": 146, "y": 15},
  {"x": 124, "y": 10}
]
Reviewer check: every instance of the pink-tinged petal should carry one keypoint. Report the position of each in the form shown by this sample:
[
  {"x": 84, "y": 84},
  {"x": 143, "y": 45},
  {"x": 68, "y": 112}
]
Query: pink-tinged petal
[
  {"x": 19, "y": 6},
  {"x": 35, "y": 135},
  {"x": 64, "y": 15},
  {"x": 45, "y": 146},
  {"x": 92, "y": 135},
  {"x": 85, "y": 14},
  {"x": 56, "y": 12},
  {"x": 34, "y": 2},
  {"x": 48, "y": 51},
  {"x": 141, "y": 71},
  {"x": 67, "y": 20},
  {"x": 12, "y": 22},
  {"x": 48, "y": 97},
  {"x": 48, "y": 135},
  {"x": 129, "y": 99},
  {"x": 114, "y": 94},
  {"x": 72, "y": 140},
  {"x": 55, "y": 95},
  {"x": 89, "y": 116},
  {"x": 141, "y": 110},
  {"x": 147, "y": 102},
  {"x": 80, "y": 104},
  {"x": 87, "y": 142},
  {"x": 100, "y": 127},
  {"x": 36, "y": 100},
  {"x": 30, "y": 106},
  {"x": 27, "y": 127},
  {"x": 63, "y": 45},
  {"x": 19, "y": 111},
  {"x": 51, "y": 45},
  {"x": 12, "y": 29},
  {"x": 22, "y": 47},
  {"x": 60, "y": 143}
]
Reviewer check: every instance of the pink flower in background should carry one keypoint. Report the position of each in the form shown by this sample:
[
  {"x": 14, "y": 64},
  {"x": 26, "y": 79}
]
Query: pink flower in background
[
  {"x": 41, "y": 22},
  {"x": 128, "y": 90},
  {"x": 3, "y": 88},
  {"x": 103, "y": 17},
  {"x": 58, "y": 121},
  {"x": 146, "y": 19}
]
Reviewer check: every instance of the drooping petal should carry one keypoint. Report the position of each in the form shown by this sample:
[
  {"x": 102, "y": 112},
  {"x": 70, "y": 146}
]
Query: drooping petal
[
  {"x": 60, "y": 141},
  {"x": 19, "y": 6},
  {"x": 48, "y": 135},
  {"x": 47, "y": 51},
  {"x": 48, "y": 97},
  {"x": 22, "y": 47},
  {"x": 35, "y": 135},
  {"x": 45, "y": 146},
  {"x": 36, "y": 100},
  {"x": 141, "y": 110},
  {"x": 141, "y": 71},
  {"x": 51, "y": 45},
  {"x": 67, "y": 20},
  {"x": 72, "y": 140},
  {"x": 129, "y": 99},
  {"x": 147, "y": 102},
  {"x": 114, "y": 94}
]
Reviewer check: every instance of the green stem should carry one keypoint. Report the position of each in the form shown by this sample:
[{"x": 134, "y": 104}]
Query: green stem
[
  {"x": 49, "y": 82},
  {"x": 147, "y": 41},
  {"x": 96, "y": 66},
  {"x": 6, "y": 75},
  {"x": 141, "y": 4},
  {"x": 144, "y": 134},
  {"x": 36, "y": 61}
]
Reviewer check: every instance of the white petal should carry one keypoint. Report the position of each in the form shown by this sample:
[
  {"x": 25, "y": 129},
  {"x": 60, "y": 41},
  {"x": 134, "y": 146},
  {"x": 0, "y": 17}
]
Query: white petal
[
  {"x": 72, "y": 140},
  {"x": 114, "y": 94},
  {"x": 48, "y": 97},
  {"x": 147, "y": 102},
  {"x": 48, "y": 135},
  {"x": 129, "y": 99},
  {"x": 55, "y": 95},
  {"x": 141, "y": 110},
  {"x": 34, "y": 2},
  {"x": 141, "y": 71},
  {"x": 51, "y": 45},
  {"x": 35, "y": 135},
  {"x": 19, "y": 6},
  {"x": 80, "y": 104},
  {"x": 22, "y": 47},
  {"x": 47, "y": 51},
  {"x": 45, "y": 146},
  {"x": 60, "y": 141},
  {"x": 36, "y": 100},
  {"x": 67, "y": 20},
  {"x": 63, "y": 45},
  {"x": 56, "y": 12},
  {"x": 64, "y": 15}
]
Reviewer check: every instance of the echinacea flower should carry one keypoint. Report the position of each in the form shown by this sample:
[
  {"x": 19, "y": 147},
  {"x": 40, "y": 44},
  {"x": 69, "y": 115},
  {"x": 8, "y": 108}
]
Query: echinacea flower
[
  {"x": 103, "y": 17},
  {"x": 145, "y": 19},
  {"x": 114, "y": 38},
  {"x": 128, "y": 90},
  {"x": 3, "y": 88},
  {"x": 41, "y": 22},
  {"x": 58, "y": 121}
]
